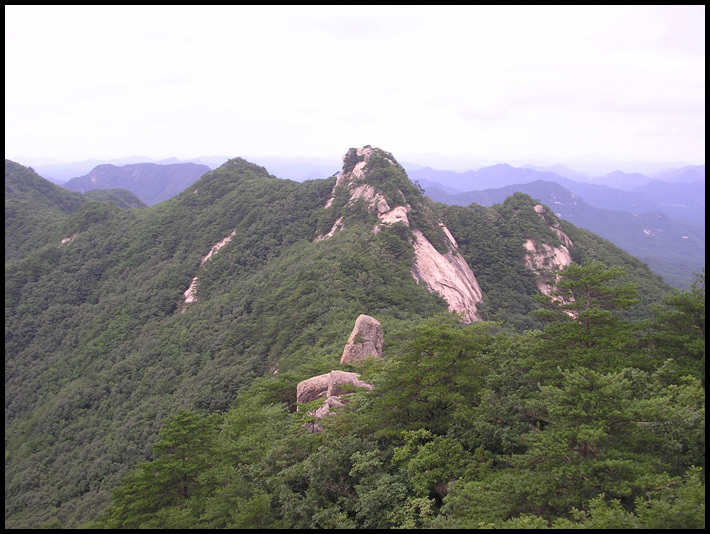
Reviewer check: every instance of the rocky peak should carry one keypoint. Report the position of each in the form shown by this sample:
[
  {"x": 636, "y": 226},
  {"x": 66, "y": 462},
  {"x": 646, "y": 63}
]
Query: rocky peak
[
  {"x": 354, "y": 177},
  {"x": 372, "y": 176}
]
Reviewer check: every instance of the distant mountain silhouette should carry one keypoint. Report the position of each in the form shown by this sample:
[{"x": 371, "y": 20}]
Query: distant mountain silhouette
[{"x": 150, "y": 182}]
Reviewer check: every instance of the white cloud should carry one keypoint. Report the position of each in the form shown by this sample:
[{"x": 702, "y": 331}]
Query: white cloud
[{"x": 467, "y": 81}]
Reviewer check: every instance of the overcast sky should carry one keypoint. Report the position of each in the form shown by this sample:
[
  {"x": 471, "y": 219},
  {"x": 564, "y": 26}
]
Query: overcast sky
[{"x": 500, "y": 84}]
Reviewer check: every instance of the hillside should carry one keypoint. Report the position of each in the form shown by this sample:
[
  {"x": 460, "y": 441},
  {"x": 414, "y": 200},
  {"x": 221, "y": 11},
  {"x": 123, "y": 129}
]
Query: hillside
[
  {"x": 150, "y": 182},
  {"x": 123, "y": 198},
  {"x": 682, "y": 201},
  {"x": 121, "y": 318},
  {"x": 35, "y": 208}
]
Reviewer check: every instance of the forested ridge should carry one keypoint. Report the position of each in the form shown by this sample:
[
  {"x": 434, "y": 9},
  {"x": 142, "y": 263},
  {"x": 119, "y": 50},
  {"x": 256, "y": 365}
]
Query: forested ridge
[{"x": 127, "y": 407}]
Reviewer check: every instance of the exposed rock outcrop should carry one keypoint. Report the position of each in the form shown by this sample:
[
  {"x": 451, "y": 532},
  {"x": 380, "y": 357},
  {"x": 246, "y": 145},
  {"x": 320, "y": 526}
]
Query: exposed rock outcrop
[
  {"x": 447, "y": 273},
  {"x": 67, "y": 240},
  {"x": 333, "y": 384},
  {"x": 544, "y": 259},
  {"x": 365, "y": 341},
  {"x": 334, "y": 387},
  {"x": 190, "y": 294}
]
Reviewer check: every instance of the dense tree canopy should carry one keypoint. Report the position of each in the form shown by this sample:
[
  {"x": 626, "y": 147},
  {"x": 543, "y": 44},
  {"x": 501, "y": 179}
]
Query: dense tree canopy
[{"x": 598, "y": 446}]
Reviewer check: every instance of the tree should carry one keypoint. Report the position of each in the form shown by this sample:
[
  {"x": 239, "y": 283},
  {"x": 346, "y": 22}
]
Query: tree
[
  {"x": 170, "y": 481},
  {"x": 678, "y": 329},
  {"x": 438, "y": 372},
  {"x": 585, "y": 328},
  {"x": 615, "y": 436}
]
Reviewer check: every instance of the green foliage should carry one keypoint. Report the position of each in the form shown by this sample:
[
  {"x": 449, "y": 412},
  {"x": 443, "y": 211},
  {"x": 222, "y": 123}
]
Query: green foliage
[
  {"x": 34, "y": 210},
  {"x": 679, "y": 329},
  {"x": 351, "y": 159},
  {"x": 491, "y": 240},
  {"x": 437, "y": 372},
  {"x": 600, "y": 437},
  {"x": 172, "y": 479},
  {"x": 123, "y": 198},
  {"x": 432, "y": 461},
  {"x": 605, "y": 452},
  {"x": 675, "y": 504},
  {"x": 586, "y": 327}
]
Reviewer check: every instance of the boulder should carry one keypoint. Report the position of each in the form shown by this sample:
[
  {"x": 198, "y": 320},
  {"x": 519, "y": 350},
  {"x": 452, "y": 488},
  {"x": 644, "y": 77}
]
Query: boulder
[
  {"x": 329, "y": 385},
  {"x": 313, "y": 388},
  {"x": 366, "y": 340},
  {"x": 334, "y": 387},
  {"x": 340, "y": 380}
]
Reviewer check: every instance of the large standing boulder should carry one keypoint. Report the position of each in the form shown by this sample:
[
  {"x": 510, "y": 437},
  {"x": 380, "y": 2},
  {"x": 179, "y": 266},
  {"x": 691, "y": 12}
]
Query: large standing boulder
[{"x": 365, "y": 341}]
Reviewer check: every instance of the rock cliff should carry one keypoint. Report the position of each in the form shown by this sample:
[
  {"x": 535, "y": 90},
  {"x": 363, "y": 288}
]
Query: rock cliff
[{"x": 442, "y": 270}]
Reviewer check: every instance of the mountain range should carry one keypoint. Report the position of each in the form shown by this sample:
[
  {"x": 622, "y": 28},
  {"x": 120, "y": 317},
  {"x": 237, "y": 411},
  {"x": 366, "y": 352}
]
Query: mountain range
[
  {"x": 133, "y": 335},
  {"x": 659, "y": 219}
]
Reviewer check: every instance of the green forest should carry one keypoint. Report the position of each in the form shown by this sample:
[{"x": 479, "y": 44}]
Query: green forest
[{"x": 127, "y": 407}]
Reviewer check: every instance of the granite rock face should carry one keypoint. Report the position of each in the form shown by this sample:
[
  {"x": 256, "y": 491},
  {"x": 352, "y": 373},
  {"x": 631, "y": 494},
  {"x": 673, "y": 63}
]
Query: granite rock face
[
  {"x": 448, "y": 275},
  {"x": 365, "y": 341},
  {"x": 545, "y": 260},
  {"x": 333, "y": 384}
]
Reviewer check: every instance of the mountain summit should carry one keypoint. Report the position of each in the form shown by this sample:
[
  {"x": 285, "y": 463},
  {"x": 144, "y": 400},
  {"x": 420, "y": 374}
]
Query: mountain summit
[{"x": 372, "y": 181}]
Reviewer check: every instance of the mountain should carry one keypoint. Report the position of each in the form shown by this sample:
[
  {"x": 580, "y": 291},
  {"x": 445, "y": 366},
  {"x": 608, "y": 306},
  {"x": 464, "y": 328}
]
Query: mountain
[
  {"x": 60, "y": 172},
  {"x": 298, "y": 169},
  {"x": 682, "y": 201},
  {"x": 35, "y": 208},
  {"x": 559, "y": 170},
  {"x": 687, "y": 174},
  {"x": 150, "y": 182},
  {"x": 493, "y": 176},
  {"x": 672, "y": 243},
  {"x": 673, "y": 249},
  {"x": 117, "y": 320},
  {"x": 622, "y": 180},
  {"x": 616, "y": 191}
]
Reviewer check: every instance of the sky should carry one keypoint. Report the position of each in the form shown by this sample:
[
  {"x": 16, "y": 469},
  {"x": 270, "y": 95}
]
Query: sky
[{"x": 441, "y": 86}]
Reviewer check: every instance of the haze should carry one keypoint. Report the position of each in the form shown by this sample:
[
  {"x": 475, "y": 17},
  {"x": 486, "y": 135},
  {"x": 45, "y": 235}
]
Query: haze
[{"x": 443, "y": 86}]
